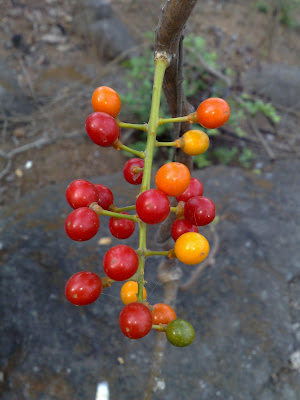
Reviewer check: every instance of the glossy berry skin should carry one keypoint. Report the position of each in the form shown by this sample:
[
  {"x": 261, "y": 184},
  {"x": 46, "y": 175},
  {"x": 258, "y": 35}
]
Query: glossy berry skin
[
  {"x": 213, "y": 113},
  {"x": 121, "y": 228},
  {"x": 120, "y": 262},
  {"x": 129, "y": 292},
  {"x": 194, "y": 142},
  {"x": 81, "y": 193},
  {"x": 82, "y": 224},
  {"x": 195, "y": 188},
  {"x": 191, "y": 248},
  {"x": 152, "y": 206},
  {"x": 83, "y": 288},
  {"x": 162, "y": 314},
  {"x": 173, "y": 178},
  {"x": 135, "y": 320},
  {"x": 107, "y": 100},
  {"x": 132, "y": 172},
  {"x": 105, "y": 196},
  {"x": 180, "y": 333},
  {"x": 181, "y": 226},
  {"x": 199, "y": 211},
  {"x": 102, "y": 129}
]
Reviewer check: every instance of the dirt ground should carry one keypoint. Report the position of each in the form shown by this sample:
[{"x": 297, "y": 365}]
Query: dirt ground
[{"x": 58, "y": 78}]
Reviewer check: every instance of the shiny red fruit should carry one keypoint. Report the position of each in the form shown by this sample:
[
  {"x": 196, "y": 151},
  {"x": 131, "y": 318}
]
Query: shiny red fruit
[
  {"x": 121, "y": 228},
  {"x": 105, "y": 196},
  {"x": 102, "y": 129},
  {"x": 133, "y": 171},
  {"x": 181, "y": 226},
  {"x": 81, "y": 193},
  {"x": 195, "y": 189},
  {"x": 120, "y": 262},
  {"x": 199, "y": 211},
  {"x": 152, "y": 206},
  {"x": 82, "y": 224},
  {"x": 83, "y": 288},
  {"x": 135, "y": 320}
]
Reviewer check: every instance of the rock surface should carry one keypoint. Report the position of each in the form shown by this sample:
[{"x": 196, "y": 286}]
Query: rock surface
[
  {"x": 96, "y": 21},
  {"x": 277, "y": 83},
  {"x": 245, "y": 309}
]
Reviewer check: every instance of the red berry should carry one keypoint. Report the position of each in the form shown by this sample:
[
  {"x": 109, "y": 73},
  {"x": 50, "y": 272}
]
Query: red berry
[
  {"x": 83, "y": 288},
  {"x": 135, "y": 320},
  {"x": 106, "y": 198},
  {"x": 195, "y": 189},
  {"x": 81, "y": 193},
  {"x": 152, "y": 206},
  {"x": 199, "y": 211},
  {"x": 82, "y": 224},
  {"x": 181, "y": 226},
  {"x": 121, "y": 228},
  {"x": 120, "y": 262},
  {"x": 102, "y": 129},
  {"x": 132, "y": 171}
]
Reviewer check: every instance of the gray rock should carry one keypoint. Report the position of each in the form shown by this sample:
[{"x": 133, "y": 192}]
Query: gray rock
[
  {"x": 96, "y": 21},
  {"x": 12, "y": 97},
  {"x": 277, "y": 82},
  {"x": 243, "y": 308}
]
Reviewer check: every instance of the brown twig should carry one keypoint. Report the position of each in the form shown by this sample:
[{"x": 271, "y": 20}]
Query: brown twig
[{"x": 269, "y": 151}]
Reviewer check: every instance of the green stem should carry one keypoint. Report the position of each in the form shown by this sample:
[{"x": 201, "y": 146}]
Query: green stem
[
  {"x": 156, "y": 253},
  {"x": 174, "y": 209},
  {"x": 120, "y": 209},
  {"x": 119, "y": 145},
  {"x": 162, "y": 121},
  {"x": 160, "y": 327},
  {"x": 161, "y": 64},
  {"x": 141, "y": 127},
  {"x": 166, "y": 144},
  {"x": 100, "y": 211}
]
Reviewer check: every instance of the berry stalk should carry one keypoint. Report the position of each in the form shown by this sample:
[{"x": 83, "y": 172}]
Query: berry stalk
[{"x": 161, "y": 64}]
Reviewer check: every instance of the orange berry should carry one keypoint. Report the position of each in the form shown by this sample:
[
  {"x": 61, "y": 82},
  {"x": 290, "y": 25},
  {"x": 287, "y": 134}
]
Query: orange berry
[
  {"x": 213, "y": 113},
  {"x": 191, "y": 248},
  {"x": 107, "y": 100},
  {"x": 173, "y": 178},
  {"x": 194, "y": 142},
  {"x": 129, "y": 292}
]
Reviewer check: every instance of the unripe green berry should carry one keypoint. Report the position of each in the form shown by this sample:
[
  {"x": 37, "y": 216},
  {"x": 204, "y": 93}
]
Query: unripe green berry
[{"x": 180, "y": 333}]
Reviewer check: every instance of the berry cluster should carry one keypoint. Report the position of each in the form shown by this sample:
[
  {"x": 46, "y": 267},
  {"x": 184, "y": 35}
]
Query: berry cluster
[{"x": 121, "y": 262}]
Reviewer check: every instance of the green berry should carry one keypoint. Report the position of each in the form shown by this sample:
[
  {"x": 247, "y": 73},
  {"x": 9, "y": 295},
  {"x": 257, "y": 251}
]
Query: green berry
[{"x": 180, "y": 333}]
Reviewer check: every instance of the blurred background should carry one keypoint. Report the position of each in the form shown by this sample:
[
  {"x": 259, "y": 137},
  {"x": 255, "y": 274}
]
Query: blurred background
[{"x": 246, "y": 307}]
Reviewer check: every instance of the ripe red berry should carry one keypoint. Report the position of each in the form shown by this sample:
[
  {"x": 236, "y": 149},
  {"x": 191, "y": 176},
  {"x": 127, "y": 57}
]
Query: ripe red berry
[
  {"x": 81, "y": 193},
  {"x": 83, "y": 288},
  {"x": 82, "y": 224},
  {"x": 195, "y": 189},
  {"x": 132, "y": 171},
  {"x": 181, "y": 226},
  {"x": 105, "y": 196},
  {"x": 120, "y": 262},
  {"x": 135, "y": 320},
  {"x": 152, "y": 206},
  {"x": 121, "y": 228},
  {"x": 199, "y": 211},
  {"x": 102, "y": 129}
]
